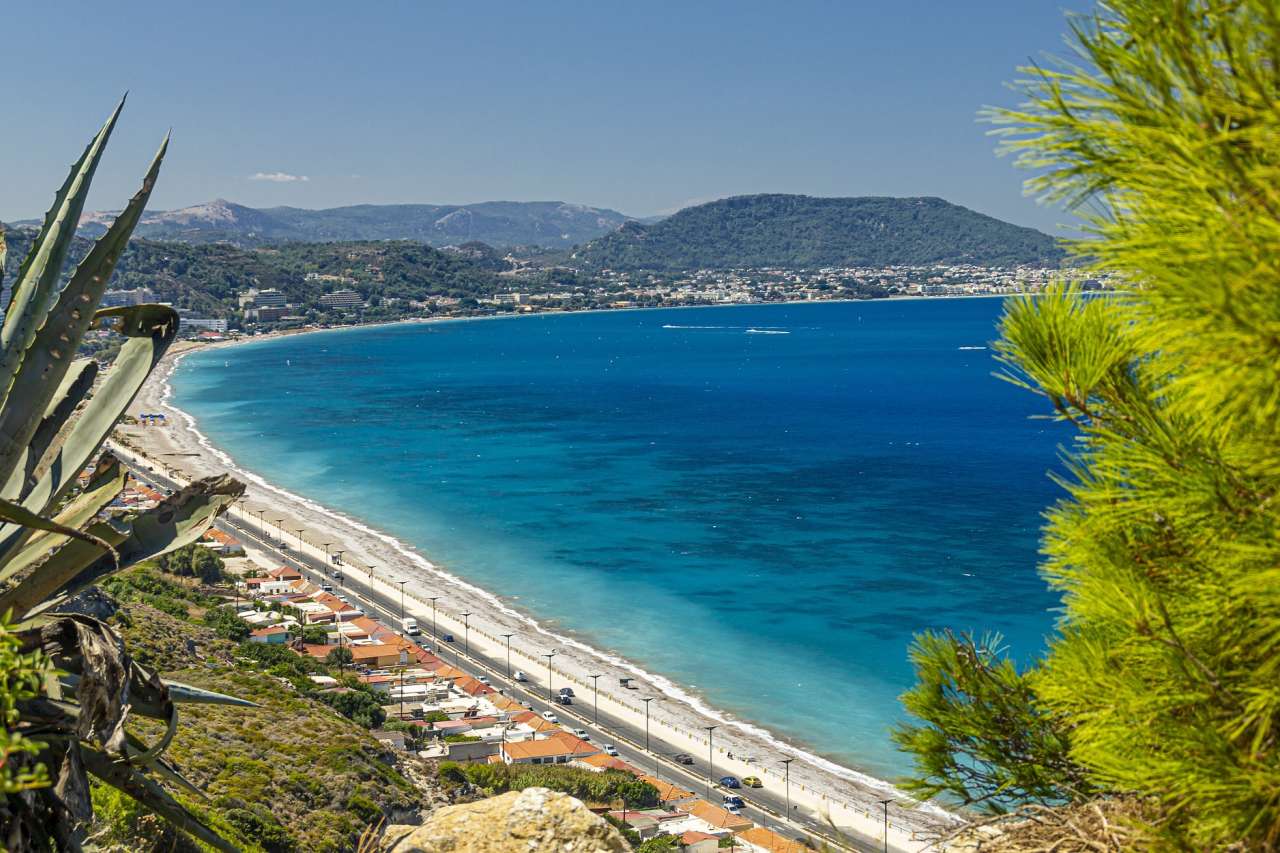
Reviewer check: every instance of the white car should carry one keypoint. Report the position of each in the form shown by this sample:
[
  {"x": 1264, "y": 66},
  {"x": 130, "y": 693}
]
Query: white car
[
  {"x": 581, "y": 733},
  {"x": 483, "y": 679},
  {"x": 610, "y": 749},
  {"x": 520, "y": 676},
  {"x": 550, "y": 717}
]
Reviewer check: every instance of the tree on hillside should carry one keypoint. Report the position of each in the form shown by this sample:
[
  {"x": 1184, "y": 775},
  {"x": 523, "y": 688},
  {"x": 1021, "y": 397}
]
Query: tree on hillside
[
  {"x": 195, "y": 561},
  {"x": 1161, "y": 683}
]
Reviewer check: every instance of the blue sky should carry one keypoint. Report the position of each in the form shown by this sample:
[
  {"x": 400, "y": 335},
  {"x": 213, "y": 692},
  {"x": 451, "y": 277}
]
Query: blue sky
[{"x": 641, "y": 107}]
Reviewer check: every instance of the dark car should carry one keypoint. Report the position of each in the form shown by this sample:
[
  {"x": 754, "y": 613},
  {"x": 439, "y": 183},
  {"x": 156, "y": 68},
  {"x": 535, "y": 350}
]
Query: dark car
[
  {"x": 566, "y": 691},
  {"x": 448, "y": 638},
  {"x": 734, "y": 800},
  {"x": 730, "y": 782},
  {"x": 683, "y": 758},
  {"x": 564, "y": 700}
]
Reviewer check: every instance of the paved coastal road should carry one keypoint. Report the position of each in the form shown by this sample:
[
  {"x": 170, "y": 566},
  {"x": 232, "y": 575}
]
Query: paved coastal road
[{"x": 765, "y": 807}]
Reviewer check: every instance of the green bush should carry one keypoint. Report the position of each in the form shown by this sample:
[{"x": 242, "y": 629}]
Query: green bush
[
  {"x": 1160, "y": 681},
  {"x": 195, "y": 561},
  {"x": 360, "y": 706},
  {"x": 226, "y": 624},
  {"x": 607, "y": 787}
]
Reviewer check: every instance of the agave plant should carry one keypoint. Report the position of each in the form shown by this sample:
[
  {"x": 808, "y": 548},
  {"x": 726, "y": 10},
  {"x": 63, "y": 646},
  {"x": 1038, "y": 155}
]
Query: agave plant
[{"x": 56, "y": 538}]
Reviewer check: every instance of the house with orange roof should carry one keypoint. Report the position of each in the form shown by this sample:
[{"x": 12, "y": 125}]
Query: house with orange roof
[
  {"x": 374, "y": 655},
  {"x": 694, "y": 841},
  {"x": 285, "y": 573},
  {"x": 601, "y": 762},
  {"x": 667, "y": 792},
  {"x": 714, "y": 816},
  {"x": 273, "y": 634},
  {"x": 545, "y": 751},
  {"x": 472, "y": 686},
  {"x": 222, "y": 543},
  {"x": 767, "y": 841}
]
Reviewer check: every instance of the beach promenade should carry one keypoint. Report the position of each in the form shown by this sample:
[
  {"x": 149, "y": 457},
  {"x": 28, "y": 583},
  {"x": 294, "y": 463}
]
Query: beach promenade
[{"x": 820, "y": 792}]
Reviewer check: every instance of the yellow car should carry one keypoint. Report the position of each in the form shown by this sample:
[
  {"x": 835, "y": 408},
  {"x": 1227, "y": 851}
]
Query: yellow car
[{"x": 752, "y": 782}]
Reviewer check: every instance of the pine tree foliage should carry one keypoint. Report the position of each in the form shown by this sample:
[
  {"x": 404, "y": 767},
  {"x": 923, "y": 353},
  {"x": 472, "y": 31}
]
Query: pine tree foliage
[{"x": 1164, "y": 671}]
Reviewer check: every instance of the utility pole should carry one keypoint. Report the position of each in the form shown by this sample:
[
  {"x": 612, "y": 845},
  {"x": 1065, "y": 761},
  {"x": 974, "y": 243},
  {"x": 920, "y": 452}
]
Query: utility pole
[
  {"x": 508, "y": 636},
  {"x": 595, "y": 681},
  {"x": 885, "y": 804},
  {"x": 711, "y": 759},
  {"x": 549, "y": 657}
]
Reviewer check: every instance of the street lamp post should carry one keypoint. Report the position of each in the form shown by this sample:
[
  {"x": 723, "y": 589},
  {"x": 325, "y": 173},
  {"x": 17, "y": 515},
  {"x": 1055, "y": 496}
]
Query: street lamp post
[
  {"x": 280, "y": 527},
  {"x": 508, "y": 636},
  {"x": 786, "y": 762},
  {"x": 595, "y": 681},
  {"x": 646, "y": 702},
  {"x": 300, "y": 529},
  {"x": 466, "y": 634},
  {"x": 885, "y": 805},
  {"x": 711, "y": 760},
  {"x": 262, "y": 524},
  {"x": 402, "y": 583},
  {"x": 549, "y": 656},
  {"x": 435, "y": 638}
]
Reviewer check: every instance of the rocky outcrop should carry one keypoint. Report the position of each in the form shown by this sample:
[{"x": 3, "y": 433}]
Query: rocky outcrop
[{"x": 515, "y": 822}]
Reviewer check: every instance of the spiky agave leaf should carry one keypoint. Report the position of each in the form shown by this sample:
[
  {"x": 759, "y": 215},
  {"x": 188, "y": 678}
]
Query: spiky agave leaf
[
  {"x": 73, "y": 391},
  {"x": 178, "y": 520},
  {"x": 150, "y": 330},
  {"x": 51, "y": 348},
  {"x": 34, "y": 290}
]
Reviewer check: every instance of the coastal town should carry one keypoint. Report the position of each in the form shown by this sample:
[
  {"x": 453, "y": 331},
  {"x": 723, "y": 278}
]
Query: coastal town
[{"x": 340, "y": 302}]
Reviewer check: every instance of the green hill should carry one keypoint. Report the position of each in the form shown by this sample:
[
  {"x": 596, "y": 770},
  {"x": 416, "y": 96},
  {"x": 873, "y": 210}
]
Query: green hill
[{"x": 804, "y": 232}]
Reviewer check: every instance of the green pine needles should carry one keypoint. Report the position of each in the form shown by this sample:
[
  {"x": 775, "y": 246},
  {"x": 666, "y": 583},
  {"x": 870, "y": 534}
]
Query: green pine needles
[{"x": 1161, "y": 683}]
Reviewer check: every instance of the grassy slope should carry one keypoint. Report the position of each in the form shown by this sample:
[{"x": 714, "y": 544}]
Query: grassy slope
[{"x": 291, "y": 775}]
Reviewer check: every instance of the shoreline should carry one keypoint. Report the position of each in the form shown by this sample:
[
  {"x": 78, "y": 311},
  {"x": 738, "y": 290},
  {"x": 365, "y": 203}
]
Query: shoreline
[
  {"x": 845, "y": 796},
  {"x": 508, "y": 315}
]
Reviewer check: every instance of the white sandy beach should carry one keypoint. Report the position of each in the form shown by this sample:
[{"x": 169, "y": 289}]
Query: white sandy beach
[{"x": 848, "y": 799}]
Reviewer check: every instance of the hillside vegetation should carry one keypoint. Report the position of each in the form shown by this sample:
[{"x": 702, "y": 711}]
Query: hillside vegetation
[
  {"x": 291, "y": 775},
  {"x": 207, "y": 278},
  {"x": 803, "y": 231}
]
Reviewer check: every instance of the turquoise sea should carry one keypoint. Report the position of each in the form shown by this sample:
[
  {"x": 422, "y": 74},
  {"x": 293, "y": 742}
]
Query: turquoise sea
[{"x": 762, "y": 503}]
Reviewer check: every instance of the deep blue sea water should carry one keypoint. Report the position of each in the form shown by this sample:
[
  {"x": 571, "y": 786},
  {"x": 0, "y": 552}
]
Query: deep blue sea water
[{"x": 766, "y": 518}]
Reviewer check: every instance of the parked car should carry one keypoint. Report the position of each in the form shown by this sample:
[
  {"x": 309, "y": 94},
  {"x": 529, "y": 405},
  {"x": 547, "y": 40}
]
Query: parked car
[
  {"x": 566, "y": 691},
  {"x": 448, "y": 638},
  {"x": 683, "y": 758},
  {"x": 550, "y": 717},
  {"x": 752, "y": 782},
  {"x": 483, "y": 679},
  {"x": 733, "y": 809},
  {"x": 520, "y": 676},
  {"x": 733, "y": 800},
  {"x": 610, "y": 749},
  {"x": 324, "y": 587},
  {"x": 730, "y": 782},
  {"x": 581, "y": 733},
  {"x": 565, "y": 700}
]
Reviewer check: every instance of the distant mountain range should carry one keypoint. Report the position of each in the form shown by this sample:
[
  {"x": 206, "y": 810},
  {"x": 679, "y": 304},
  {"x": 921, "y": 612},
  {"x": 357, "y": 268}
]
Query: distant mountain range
[
  {"x": 802, "y": 231},
  {"x": 550, "y": 224}
]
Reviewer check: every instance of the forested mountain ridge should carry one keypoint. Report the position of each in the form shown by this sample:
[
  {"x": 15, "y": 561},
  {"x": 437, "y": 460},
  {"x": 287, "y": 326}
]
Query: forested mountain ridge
[
  {"x": 208, "y": 278},
  {"x": 797, "y": 231},
  {"x": 552, "y": 224}
]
